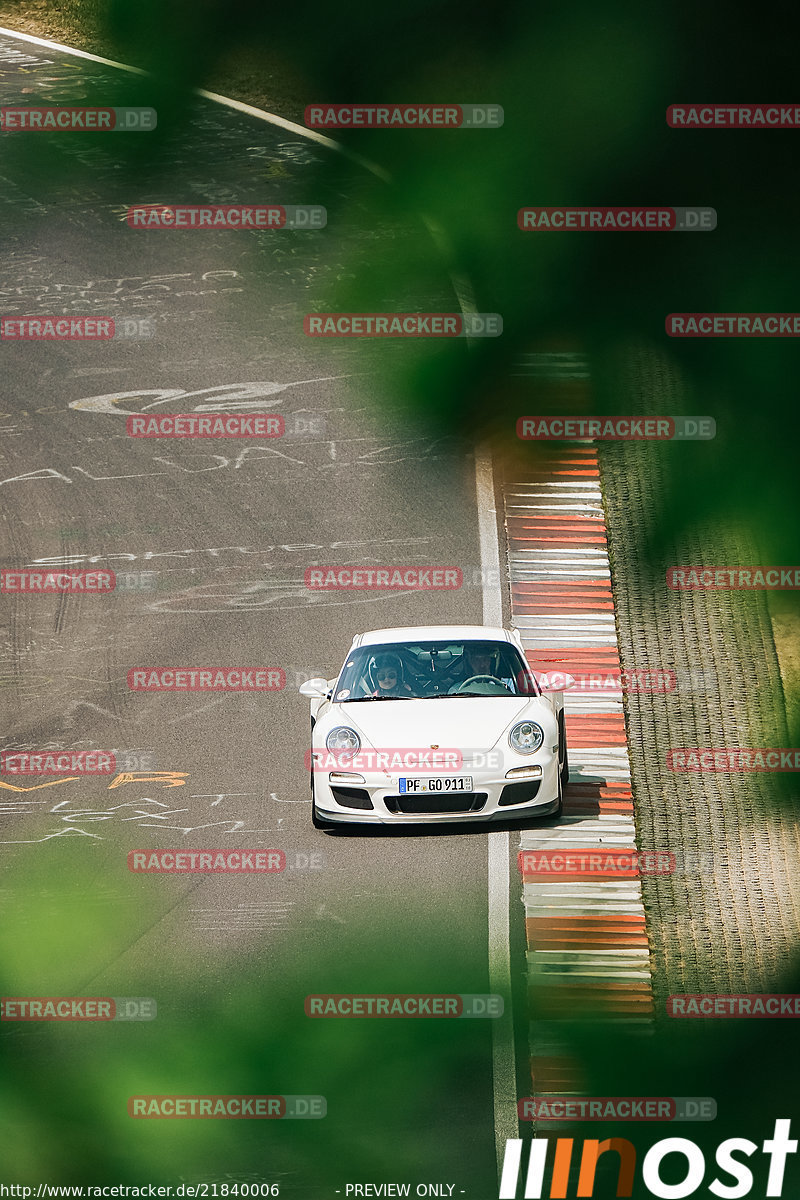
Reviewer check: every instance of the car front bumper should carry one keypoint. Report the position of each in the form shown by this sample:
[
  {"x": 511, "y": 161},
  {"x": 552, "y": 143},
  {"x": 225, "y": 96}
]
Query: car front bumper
[{"x": 375, "y": 799}]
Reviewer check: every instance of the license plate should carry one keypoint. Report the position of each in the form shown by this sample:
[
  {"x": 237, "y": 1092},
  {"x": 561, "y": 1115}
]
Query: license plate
[{"x": 438, "y": 783}]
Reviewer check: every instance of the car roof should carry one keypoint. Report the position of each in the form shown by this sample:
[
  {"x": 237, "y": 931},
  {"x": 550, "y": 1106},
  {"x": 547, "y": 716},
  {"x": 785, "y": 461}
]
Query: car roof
[{"x": 436, "y": 633}]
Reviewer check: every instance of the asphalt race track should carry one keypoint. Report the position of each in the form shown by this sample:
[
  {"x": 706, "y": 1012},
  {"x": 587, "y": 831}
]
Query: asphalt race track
[
  {"x": 210, "y": 541},
  {"x": 668, "y": 886}
]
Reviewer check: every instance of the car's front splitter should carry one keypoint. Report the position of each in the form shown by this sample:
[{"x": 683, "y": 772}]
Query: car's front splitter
[{"x": 544, "y": 803}]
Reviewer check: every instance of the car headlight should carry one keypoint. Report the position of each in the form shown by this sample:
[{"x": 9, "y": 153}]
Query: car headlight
[
  {"x": 526, "y": 738},
  {"x": 342, "y": 738}
]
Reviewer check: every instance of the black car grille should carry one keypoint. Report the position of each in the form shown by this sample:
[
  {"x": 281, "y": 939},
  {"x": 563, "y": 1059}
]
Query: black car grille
[
  {"x": 351, "y": 797},
  {"x": 520, "y": 793},
  {"x": 437, "y": 802}
]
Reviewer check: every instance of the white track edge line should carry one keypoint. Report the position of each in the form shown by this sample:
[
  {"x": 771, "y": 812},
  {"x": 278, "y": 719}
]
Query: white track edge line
[
  {"x": 249, "y": 109},
  {"x": 504, "y": 1067}
]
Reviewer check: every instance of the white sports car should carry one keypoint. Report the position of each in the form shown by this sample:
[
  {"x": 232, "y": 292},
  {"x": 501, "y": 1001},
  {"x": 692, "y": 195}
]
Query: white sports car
[{"x": 443, "y": 723}]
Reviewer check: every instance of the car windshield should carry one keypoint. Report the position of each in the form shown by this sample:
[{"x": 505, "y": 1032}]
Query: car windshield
[{"x": 430, "y": 670}]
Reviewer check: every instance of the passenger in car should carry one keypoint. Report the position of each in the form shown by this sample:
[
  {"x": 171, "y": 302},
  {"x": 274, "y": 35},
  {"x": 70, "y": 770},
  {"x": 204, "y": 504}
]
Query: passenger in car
[{"x": 387, "y": 677}]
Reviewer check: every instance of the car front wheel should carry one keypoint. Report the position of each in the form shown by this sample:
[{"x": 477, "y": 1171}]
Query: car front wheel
[
  {"x": 558, "y": 812},
  {"x": 316, "y": 820},
  {"x": 563, "y": 755}
]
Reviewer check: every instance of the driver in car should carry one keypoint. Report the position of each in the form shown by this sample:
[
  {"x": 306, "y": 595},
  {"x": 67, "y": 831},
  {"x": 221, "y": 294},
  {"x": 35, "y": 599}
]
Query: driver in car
[{"x": 479, "y": 658}]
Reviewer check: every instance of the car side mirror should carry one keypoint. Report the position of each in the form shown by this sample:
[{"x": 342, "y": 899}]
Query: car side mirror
[{"x": 315, "y": 689}]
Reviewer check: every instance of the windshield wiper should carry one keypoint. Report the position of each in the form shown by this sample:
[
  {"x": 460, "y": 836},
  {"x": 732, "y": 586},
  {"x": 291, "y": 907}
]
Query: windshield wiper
[
  {"x": 363, "y": 699},
  {"x": 483, "y": 695}
]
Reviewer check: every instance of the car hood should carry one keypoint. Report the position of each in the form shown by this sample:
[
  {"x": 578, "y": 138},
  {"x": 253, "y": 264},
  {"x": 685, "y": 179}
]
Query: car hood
[{"x": 468, "y": 723}]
